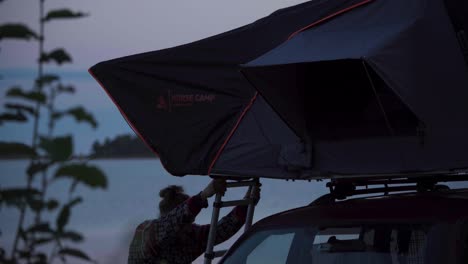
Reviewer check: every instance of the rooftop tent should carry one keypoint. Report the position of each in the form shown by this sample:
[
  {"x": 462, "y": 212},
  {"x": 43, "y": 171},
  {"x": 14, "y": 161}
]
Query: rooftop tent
[
  {"x": 385, "y": 84},
  {"x": 187, "y": 102},
  {"x": 200, "y": 110}
]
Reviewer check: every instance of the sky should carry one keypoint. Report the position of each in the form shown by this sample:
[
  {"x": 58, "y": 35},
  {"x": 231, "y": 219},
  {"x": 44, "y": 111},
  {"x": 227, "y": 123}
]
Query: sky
[{"x": 114, "y": 28}]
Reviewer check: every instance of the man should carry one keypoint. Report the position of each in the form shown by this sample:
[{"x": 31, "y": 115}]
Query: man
[{"x": 173, "y": 237}]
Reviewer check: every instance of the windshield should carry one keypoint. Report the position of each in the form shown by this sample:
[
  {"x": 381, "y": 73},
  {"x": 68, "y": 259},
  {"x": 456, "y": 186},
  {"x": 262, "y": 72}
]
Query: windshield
[{"x": 386, "y": 244}]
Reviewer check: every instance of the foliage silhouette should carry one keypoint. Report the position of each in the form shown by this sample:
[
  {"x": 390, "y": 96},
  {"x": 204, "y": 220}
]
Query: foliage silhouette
[
  {"x": 17, "y": 31},
  {"x": 43, "y": 233},
  {"x": 123, "y": 146}
]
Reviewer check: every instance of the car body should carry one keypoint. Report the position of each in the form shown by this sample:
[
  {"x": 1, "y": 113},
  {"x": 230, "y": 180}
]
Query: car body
[{"x": 414, "y": 227}]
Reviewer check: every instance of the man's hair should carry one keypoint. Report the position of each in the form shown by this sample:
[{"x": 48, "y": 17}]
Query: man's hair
[{"x": 172, "y": 196}]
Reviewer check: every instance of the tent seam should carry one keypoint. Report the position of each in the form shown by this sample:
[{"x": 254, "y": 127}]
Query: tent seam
[{"x": 218, "y": 154}]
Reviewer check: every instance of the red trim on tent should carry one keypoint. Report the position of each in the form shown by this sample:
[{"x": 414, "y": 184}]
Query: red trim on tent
[
  {"x": 124, "y": 115},
  {"x": 329, "y": 17},
  {"x": 246, "y": 109}
]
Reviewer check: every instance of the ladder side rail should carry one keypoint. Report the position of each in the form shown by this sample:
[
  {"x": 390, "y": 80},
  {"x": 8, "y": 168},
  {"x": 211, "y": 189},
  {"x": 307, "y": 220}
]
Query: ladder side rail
[
  {"x": 251, "y": 208},
  {"x": 210, "y": 254}
]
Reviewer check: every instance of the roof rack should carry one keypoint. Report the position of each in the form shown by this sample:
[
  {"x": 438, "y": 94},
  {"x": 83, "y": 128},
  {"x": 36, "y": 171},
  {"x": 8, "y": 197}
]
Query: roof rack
[
  {"x": 402, "y": 174},
  {"x": 342, "y": 188}
]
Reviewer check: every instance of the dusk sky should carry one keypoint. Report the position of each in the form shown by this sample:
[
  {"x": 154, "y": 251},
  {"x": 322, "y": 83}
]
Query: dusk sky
[{"x": 114, "y": 28}]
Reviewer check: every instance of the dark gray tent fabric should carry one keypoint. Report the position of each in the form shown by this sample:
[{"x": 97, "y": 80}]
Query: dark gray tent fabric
[
  {"x": 323, "y": 88},
  {"x": 185, "y": 102},
  {"x": 411, "y": 46},
  {"x": 263, "y": 145}
]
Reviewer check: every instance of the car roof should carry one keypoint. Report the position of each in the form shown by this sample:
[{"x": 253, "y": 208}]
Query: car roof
[{"x": 426, "y": 207}]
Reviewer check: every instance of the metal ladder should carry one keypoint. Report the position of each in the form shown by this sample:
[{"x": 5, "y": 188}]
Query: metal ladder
[{"x": 210, "y": 254}]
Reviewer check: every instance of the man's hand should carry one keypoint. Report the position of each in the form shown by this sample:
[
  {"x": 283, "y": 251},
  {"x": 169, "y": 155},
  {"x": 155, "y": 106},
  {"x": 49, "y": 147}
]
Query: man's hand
[
  {"x": 255, "y": 195},
  {"x": 215, "y": 186}
]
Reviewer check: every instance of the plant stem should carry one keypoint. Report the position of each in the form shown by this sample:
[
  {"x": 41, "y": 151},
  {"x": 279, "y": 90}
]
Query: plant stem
[
  {"x": 44, "y": 180},
  {"x": 51, "y": 109},
  {"x": 35, "y": 127},
  {"x": 40, "y": 70},
  {"x": 18, "y": 230}
]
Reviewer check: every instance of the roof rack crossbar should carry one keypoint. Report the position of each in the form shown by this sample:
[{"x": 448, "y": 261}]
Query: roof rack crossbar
[
  {"x": 343, "y": 188},
  {"x": 401, "y": 180},
  {"x": 403, "y": 174}
]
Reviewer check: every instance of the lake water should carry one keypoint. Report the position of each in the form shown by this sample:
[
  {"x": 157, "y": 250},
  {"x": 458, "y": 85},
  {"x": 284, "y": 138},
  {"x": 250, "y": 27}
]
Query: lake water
[{"x": 108, "y": 218}]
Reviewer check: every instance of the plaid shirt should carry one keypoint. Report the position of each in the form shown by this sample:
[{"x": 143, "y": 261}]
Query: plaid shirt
[{"x": 175, "y": 239}]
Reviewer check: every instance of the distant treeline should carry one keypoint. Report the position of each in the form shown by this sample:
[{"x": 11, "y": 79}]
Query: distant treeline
[{"x": 122, "y": 146}]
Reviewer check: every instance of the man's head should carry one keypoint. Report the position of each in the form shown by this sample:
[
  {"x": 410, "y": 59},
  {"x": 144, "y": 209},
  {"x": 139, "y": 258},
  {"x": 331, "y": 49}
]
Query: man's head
[{"x": 172, "y": 196}]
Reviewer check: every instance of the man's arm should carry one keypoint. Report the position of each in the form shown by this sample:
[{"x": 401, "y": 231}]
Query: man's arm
[
  {"x": 226, "y": 227},
  {"x": 166, "y": 228},
  {"x": 151, "y": 235},
  {"x": 230, "y": 224}
]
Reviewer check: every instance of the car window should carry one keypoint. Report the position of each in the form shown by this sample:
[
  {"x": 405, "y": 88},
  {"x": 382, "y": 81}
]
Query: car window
[
  {"x": 371, "y": 244},
  {"x": 274, "y": 250},
  {"x": 270, "y": 246},
  {"x": 383, "y": 243},
  {"x": 336, "y": 233}
]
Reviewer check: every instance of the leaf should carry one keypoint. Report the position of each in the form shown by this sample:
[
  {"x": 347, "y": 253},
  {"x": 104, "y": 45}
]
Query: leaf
[
  {"x": 57, "y": 149},
  {"x": 74, "y": 253},
  {"x": 47, "y": 79},
  {"x": 9, "y": 117},
  {"x": 57, "y": 115},
  {"x": 18, "y": 196},
  {"x": 62, "y": 219},
  {"x": 40, "y": 228},
  {"x": 23, "y": 254},
  {"x": 64, "y": 215},
  {"x": 43, "y": 240},
  {"x": 8, "y": 149},
  {"x": 35, "y": 96},
  {"x": 36, "y": 167},
  {"x": 66, "y": 89},
  {"x": 85, "y": 174},
  {"x": 63, "y": 14},
  {"x": 73, "y": 186},
  {"x": 17, "y": 31},
  {"x": 75, "y": 201},
  {"x": 58, "y": 56},
  {"x": 52, "y": 204},
  {"x": 40, "y": 258},
  {"x": 20, "y": 107},
  {"x": 79, "y": 114},
  {"x": 35, "y": 204},
  {"x": 72, "y": 235}
]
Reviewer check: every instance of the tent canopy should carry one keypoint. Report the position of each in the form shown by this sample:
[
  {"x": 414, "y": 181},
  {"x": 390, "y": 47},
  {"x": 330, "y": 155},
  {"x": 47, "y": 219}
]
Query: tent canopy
[
  {"x": 325, "y": 87},
  {"x": 410, "y": 48}
]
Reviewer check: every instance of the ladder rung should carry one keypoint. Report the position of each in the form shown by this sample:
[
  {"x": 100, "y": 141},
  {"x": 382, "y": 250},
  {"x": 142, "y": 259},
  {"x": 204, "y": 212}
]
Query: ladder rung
[
  {"x": 233, "y": 203},
  {"x": 240, "y": 184}
]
